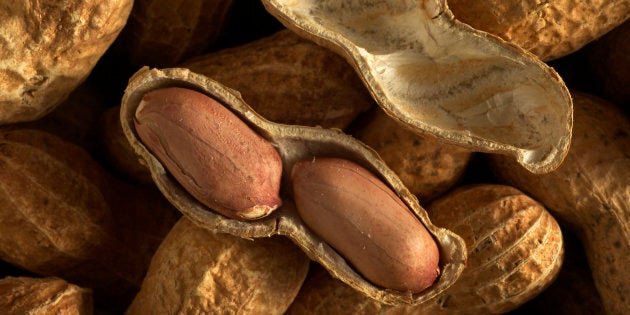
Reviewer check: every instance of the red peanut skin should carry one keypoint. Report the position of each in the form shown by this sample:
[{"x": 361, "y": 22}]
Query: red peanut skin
[
  {"x": 366, "y": 222},
  {"x": 213, "y": 154}
]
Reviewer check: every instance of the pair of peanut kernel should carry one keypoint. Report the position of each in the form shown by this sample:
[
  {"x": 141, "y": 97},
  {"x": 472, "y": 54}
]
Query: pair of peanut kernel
[{"x": 230, "y": 168}]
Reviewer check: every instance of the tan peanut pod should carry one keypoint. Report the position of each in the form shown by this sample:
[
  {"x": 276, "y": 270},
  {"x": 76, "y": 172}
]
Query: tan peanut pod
[
  {"x": 610, "y": 59},
  {"x": 549, "y": 29},
  {"x": 162, "y": 33},
  {"x": 41, "y": 174},
  {"x": 61, "y": 214},
  {"x": 590, "y": 192},
  {"x": 48, "y": 48},
  {"x": 439, "y": 76},
  {"x": 197, "y": 271},
  {"x": 293, "y": 143},
  {"x": 427, "y": 167},
  {"x": 24, "y": 295},
  {"x": 323, "y": 294},
  {"x": 515, "y": 250},
  {"x": 573, "y": 292},
  {"x": 289, "y": 80}
]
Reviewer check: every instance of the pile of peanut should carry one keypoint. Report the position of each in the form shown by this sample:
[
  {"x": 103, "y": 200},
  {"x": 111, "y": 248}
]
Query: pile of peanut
[{"x": 292, "y": 191}]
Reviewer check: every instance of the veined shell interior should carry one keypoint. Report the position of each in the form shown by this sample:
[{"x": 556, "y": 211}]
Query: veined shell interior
[{"x": 439, "y": 76}]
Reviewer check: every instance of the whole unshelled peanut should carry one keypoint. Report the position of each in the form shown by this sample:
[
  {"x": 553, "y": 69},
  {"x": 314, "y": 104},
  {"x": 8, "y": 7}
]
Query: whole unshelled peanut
[
  {"x": 62, "y": 214},
  {"x": 51, "y": 295},
  {"x": 160, "y": 33},
  {"x": 515, "y": 249},
  {"x": 590, "y": 193},
  {"x": 427, "y": 166},
  {"x": 549, "y": 29},
  {"x": 49, "y": 48},
  {"x": 362, "y": 218},
  {"x": 213, "y": 154},
  {"x": 198, "y": 271}
]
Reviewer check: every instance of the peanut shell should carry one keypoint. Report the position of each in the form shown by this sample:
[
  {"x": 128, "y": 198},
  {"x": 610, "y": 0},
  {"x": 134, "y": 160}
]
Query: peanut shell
[
  {"x": 323, "y": 294},
  {"x": 62, "y": 214},
  {"x": 590, "y": 193},
  {"x": 197, "y": 271},
  {"x": 427, "y": 166},
  {"x": 549, "y": 29},
  {"x": 162, "y": 33},
  {"x": 439, "y": 76},
  {"x": 24, "y": 295},
  {"x": 293, "y": 143},
  {"x": 573, "y": 292},
  {"x": 48, "y": 48},
  {"x": 515, "y": 249},
  {"x": 289, "y": 80}
]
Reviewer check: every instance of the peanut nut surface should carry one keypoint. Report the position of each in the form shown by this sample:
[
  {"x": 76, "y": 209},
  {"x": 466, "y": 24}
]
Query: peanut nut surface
[
  {"x": 363, "y": 219},
  {"x": 211, "y": 152}
]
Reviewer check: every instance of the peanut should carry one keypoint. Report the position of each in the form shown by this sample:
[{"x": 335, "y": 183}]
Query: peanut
[
  {"x": 438, "y": 76},
  {"x": 62, "y": 214},
  {"x": 549, "y": 29},
  {"x": 49, "y": 48},
  {"x": 362, "y": 218},
  {"x": 515, "y": 248},
  {"x": 213, "y": 154},
  {"x": 590, "y": 193},
  {"x": 160, "y": 33},
  {"x": 197, "y": 271},
  {"x": 26, "y": 295},
  {"x": 427, "y": 167},
  {"x": 293, "y": 144}
]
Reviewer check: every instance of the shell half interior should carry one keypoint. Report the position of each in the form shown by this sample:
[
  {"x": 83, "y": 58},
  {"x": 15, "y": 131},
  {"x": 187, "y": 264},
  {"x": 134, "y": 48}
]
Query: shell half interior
[{"x": 437, "y": 75}]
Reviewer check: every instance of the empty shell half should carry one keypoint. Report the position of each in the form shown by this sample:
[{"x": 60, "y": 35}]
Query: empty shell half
[{"x": 440, "y": 76}]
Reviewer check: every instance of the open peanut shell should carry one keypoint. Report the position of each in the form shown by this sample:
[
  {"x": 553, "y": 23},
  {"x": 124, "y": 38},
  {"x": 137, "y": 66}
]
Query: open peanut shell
[
  {"x": 440, "y": 76},
  {"x": 293, "y": 143}
]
